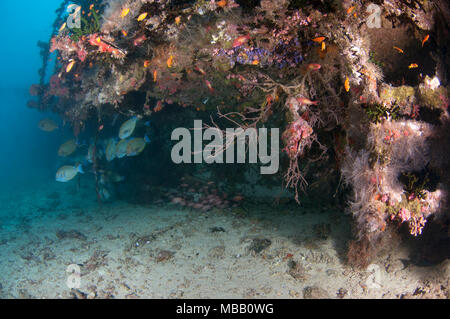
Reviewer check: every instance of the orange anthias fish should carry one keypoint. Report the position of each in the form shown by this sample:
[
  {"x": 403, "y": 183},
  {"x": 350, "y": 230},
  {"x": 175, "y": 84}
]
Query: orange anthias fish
[
  {"x": 347, "y": 84},
  {"x": 178, "y": 20},
  {"x": 142, "y": 16},
  {"x": 70, "y": 66},
  {"x": 222, "y": 3},
  {"x": 124, "y": 12},
  {"x": 314, "y": 66},
  {"x": 139, "y": 40},
  {"x": 146, "y": 63},
  {"x": 319, "y": 39},
  {"x": 425, "y": 39},
  {"x": 310, "y": 67},
  {"x": 208, "y": 84},
  {"x": 170, "y": 61},
  {"x": 323, "y": 46},
  {"x": 63, "y": 27},
  {"x": 158, "y": 107},
  {"x": 155, "y": 75},
  {"x": 125, "y": 33},
  {"x": 350, "y": 10},
  {"x": 199, "y": 69},
  {"x": 305, "y": 101},
  {"x": 240, "y": 40},
  {"x": 413, "y": 65},
  {"x": 398, "y": 49}
]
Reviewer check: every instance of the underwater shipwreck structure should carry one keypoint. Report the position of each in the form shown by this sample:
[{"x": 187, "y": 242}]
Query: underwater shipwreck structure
[{"x": 359, "y": 91}]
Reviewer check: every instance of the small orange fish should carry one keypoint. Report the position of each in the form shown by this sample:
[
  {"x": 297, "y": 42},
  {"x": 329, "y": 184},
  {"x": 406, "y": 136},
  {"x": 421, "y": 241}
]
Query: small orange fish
[
  {"x": 347, "y": 84},
  {"x": 91, "y": 7},
  {"x": 139, "y": 40},
  {"x": 398, "y": 49},
  {"x": 305, "y": 101},
  {"x": 70, "y": 66},
  {"x": 240, "y": 40},
  {"x": 125, "y": 33},
  {"x": 323, "y": 46},
  {"x": 146, "y": 63},
  {"x": 101, "y": 127},
  {"x": 208, "y": 84},
  {"x": 142, "y": 16},
  {"x": 158, "y": 107},
  {"x": 124, "y": 12},
  {"x": 413, "y": 66},
  {"x": 199, "y": 69},
  {"x": 425, "y": 39},
  {"x": 155, "y": 75},
  {"x": 319, "y": 39},
  {"x": 178, "y": 20},
  {"x": 63, "y": 27},
  {"x": 222, "y": 3},
  {"x": 350, "y": 10},
  {"x": 255, "y": 62},
  {"x": 314, "y": 66},
  {"x": 170, "y": 61}
]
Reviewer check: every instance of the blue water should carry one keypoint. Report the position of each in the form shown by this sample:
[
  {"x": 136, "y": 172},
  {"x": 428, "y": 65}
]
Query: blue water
[{"x": 27, "y": 154}]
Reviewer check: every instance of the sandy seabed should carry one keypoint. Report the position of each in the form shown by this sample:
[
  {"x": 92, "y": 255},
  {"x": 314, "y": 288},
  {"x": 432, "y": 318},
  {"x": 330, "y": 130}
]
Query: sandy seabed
[{"x": 163, "y": 251}]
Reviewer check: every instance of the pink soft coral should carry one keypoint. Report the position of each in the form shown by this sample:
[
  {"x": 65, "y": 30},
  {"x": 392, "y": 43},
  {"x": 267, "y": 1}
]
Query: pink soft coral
[
  {"x": 416, "y": 225},
  {"x": 404, "y": 214}
]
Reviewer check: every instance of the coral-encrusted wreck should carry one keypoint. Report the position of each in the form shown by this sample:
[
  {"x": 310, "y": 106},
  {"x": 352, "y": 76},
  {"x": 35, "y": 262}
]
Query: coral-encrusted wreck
[{"x": 363, "y": 104}]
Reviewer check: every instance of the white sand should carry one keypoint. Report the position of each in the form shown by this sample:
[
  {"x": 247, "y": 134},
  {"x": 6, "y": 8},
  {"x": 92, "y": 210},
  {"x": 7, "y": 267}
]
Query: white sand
[{"x": 119, "y": 256}]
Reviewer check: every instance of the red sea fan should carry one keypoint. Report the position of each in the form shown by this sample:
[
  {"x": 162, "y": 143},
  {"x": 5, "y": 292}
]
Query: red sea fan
[{"x": 296, "y": 138}]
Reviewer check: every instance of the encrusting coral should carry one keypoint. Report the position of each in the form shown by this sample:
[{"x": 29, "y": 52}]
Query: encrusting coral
[{"x": 306, "y": 68}]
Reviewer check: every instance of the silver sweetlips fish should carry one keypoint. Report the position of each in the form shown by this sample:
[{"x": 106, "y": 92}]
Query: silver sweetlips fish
[
  {"x": 110, "y": 152},
  {"x": 137, "y": 145},
  {"x": 127, "y": 128},
  {"x": 121, "y": 148},
  {"x": 47, "y": 125},
  {"x": 67, "y": 173},
  {"x": 68, "y": 148}
]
